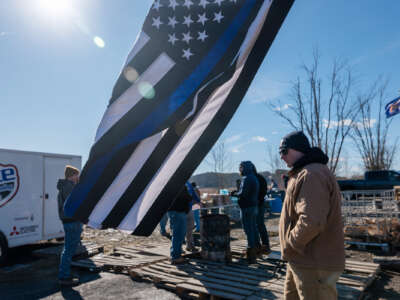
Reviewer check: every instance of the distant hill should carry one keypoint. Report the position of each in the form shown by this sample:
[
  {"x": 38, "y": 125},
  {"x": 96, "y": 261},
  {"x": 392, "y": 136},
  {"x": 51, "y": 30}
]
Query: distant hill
[{"x": 211, "y": 179}]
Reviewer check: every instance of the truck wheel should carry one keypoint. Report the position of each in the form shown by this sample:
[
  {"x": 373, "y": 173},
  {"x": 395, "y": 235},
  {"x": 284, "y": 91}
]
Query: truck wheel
[{"x": 3, "y": 249}]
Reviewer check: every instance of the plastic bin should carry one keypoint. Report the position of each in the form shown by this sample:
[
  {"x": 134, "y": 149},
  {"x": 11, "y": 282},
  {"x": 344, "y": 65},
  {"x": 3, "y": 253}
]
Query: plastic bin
[{"x": 276, "y": 205}]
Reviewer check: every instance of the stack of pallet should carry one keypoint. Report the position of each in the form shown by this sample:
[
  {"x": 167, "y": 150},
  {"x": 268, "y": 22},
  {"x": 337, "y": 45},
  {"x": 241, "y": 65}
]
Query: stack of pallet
[{"x": 387, "y": 231}]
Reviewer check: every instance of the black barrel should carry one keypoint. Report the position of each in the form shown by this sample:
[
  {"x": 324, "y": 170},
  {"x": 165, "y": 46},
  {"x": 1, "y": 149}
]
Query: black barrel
[{"x": 215, "y": 238}]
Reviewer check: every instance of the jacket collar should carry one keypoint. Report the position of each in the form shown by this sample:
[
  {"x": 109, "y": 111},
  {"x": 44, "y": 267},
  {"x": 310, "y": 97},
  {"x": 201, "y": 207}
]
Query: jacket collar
[{"x": 315, "y": 155}]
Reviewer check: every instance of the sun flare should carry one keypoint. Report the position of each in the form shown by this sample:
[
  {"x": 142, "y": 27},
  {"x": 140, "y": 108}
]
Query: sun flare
[{"x": 54, "y": 8}]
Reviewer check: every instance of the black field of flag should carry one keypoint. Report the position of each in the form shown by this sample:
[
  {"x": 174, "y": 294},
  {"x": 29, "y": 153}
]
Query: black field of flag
[{"x": 186, "y": 75}]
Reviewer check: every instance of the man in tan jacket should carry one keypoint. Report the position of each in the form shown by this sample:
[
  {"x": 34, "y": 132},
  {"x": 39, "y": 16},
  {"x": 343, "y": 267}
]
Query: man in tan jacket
[{"x": 311, "y": 227}]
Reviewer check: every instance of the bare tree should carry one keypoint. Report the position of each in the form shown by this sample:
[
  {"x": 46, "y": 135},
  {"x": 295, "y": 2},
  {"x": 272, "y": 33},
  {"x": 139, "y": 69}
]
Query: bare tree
[
  {"x": 220, "y": 160},
  {"x": 274, "y": 160},
  {"x": 370, "y": 131},
  {"x": 324, "y": 110}
]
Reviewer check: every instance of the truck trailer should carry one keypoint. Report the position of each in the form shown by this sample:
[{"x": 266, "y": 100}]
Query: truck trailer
[{"x": 28, "y": 197}]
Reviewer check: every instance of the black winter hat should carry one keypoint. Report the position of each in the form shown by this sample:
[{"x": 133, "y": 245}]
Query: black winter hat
[{"x": 295, "y": 140}]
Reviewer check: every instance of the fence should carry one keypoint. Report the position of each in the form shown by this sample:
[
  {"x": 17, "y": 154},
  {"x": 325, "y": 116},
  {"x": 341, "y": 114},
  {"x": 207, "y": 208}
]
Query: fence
[{"x": 371, "y": 216}]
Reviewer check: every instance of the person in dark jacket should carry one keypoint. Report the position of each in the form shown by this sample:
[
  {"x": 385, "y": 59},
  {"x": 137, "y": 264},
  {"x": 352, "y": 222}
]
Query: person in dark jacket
[
  {"x": 177, "y": 220},
  {"x": 196, "y": 212},
  {"x": 72, "y": 228},
  {"x": 264, "y": 246},
  {"x": 234, "y": 192},
  {"x": 190, "y": 218},
  {"x": 248, "y": 200}
]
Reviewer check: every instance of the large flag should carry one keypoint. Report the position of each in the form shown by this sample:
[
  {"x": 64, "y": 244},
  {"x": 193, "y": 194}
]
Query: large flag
[
  {"x": 392, "y": 108},
  {"x": 186, "y": 75}
]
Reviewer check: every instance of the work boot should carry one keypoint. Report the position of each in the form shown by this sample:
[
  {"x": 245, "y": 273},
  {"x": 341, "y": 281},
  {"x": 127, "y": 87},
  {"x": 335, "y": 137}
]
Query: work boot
[
  {"x": 167, "y": 235},
  {"x": 265, "y": 249},
  {"x": 259, "y": 251},
  {"x": 69, "y": 281},
  {"x": 178, "y": 261},
  {"x": 192, "y": 249},
  {"x": 251, "y": 255}
]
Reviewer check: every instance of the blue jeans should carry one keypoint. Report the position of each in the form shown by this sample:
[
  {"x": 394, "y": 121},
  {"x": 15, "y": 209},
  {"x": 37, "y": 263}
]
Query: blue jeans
[
  {"x": 177, "y": 222},
  {"x": 163, "y": 223},
  {"x": 196, "y": 214},
  {"x": 249, "y": 221},
  {"x": 72, "y": 238},
  {"x": 262, "y": 230}
]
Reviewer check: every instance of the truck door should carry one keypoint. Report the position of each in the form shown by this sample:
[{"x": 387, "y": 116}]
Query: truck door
[{"x": 53, "y": 170}]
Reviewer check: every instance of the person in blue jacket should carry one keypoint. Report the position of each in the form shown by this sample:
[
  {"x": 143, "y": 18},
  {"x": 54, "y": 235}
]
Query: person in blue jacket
[{"x": 248, "y": 202}]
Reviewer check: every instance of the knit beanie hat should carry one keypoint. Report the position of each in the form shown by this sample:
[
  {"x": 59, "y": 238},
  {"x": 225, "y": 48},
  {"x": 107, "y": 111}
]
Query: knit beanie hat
[
  {"x": 70, "y": 171},
  {"x": 295, "y": 140}
]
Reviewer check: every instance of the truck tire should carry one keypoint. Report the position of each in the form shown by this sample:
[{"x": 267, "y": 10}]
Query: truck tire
[{"x": 3, "y": 249}]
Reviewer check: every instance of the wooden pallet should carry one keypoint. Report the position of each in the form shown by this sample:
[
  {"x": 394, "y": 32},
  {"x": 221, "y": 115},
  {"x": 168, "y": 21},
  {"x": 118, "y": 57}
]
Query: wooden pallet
[
  {"x": 120, "y": 259},
  {"x": 237, "y": 280},
  {"x": 85, "y": 249},
  {"x": 384, "y": 247}
]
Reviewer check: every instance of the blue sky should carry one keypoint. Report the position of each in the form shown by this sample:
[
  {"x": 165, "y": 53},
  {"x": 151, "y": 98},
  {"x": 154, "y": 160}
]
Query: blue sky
[{"x": 55, "y": 81}]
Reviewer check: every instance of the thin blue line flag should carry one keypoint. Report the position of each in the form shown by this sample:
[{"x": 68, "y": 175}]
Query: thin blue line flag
[{"x": 183, "y": 80}]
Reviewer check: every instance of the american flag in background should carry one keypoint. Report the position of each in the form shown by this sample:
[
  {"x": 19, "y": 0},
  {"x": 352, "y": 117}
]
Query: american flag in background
[{"x": 187, "y": 73}]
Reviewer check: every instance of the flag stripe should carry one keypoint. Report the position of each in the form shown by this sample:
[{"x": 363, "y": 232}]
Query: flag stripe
[
  {"x": 171, "y": 164},
  {"x": 124, "y": 178},
  {"x": 141, "y": 41},
  {"x": 139, "y": 63},
  {"x": 156, "y": 71},
  {"x": 276, "y": 15},
  {"x": 97, "y": 184}
]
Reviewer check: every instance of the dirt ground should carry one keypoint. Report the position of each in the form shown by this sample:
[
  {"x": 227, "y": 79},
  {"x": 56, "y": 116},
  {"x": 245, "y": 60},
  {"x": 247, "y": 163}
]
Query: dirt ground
[{"x": 27, "y": 276}]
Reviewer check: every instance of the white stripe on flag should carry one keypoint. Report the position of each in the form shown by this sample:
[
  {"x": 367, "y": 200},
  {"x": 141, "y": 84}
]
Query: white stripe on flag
[
  {"x": 193, "y": 132},
  {"x": 140, "y": 42},
  {"x": 254, "y": 31},
  {"x": 154, "y": 73},
  {"x": 124, "y": 179},
  {"x": 177, "y": 155}
]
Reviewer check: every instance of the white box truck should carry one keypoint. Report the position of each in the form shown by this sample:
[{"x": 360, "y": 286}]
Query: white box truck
[{"x": 28, "y": 197}]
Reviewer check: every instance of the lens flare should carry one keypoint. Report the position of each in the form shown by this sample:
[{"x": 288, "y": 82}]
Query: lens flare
[
  {"x": 146, "y": 90},
  {"x": 130, "y": 74},
  {"x": 99, "y": 42}
]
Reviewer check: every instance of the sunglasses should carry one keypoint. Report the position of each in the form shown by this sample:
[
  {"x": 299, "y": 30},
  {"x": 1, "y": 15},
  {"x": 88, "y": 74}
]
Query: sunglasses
[{"x": 283, "y": 151}]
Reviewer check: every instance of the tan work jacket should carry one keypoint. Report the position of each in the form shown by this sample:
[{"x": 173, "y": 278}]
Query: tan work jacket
[{"x": 311, "y": 226}]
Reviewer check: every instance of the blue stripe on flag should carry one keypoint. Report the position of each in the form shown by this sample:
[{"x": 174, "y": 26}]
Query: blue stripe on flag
[{"x": 163, "y": 111}]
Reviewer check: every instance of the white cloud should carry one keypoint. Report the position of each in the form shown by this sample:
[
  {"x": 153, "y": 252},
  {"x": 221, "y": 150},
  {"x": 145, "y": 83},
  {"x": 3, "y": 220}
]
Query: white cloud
[
  {"x": 260, "y": 139},
  {"x": 331, "y": 123},
  {"x": 367, "y": 123},
  {"x": 5, "y": 33},
  {"x": 264, "y": 89},
  {"x": 239, "y": 147},
  {"x": 284, "y": 107},
  {"x": 233, "y": 138}
]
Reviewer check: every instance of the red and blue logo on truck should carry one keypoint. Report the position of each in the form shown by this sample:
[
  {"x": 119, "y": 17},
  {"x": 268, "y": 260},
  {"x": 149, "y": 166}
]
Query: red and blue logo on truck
[{"x": 9, "y": 183}]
